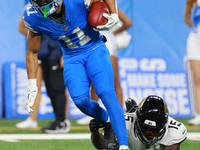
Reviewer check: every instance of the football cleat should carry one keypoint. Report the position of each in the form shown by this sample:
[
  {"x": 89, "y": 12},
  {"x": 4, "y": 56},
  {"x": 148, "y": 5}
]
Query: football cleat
[
  {"x": 28, "y": 123},
  {"x": 95, "y": 125},
  {"x": 109, "y": 136},
  {"x": 58, "y": 127}
]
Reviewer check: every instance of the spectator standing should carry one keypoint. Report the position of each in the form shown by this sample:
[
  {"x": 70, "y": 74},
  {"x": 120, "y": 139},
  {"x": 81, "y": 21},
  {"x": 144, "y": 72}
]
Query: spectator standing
[{"x": 192, "y": 18}]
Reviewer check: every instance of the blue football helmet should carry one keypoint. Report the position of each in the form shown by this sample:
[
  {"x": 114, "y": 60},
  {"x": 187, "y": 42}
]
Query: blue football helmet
[
  {"x": 152, "y": 116},
  {"x": 44, "y": 8}
]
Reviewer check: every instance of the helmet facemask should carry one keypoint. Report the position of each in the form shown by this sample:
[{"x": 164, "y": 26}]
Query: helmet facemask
[
  {"x": 44, "y": 8},
  {"x": 148, "y": 134}
]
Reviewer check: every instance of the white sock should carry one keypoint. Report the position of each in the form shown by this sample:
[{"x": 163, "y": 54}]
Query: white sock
[{"x": 123, "y": 147}]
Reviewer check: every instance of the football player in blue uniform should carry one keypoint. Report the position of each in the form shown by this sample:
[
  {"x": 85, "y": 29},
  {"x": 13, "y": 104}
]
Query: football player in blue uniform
[{"x": 86, "y": 58}]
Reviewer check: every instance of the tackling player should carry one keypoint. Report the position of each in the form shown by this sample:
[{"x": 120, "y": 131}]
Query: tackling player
[
  {"x": 148, "y": 128},
  {"x": 86, "y": 58}
]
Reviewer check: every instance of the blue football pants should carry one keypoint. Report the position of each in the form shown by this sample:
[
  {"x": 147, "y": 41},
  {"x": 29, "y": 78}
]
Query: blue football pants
[{"x": 95, "y": 66}]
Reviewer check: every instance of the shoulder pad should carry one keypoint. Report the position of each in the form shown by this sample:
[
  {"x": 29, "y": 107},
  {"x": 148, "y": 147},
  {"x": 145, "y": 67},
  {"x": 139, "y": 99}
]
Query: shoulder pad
[
  {"x": 30, "y": 19},
  {"x": 176, "y": 132}
]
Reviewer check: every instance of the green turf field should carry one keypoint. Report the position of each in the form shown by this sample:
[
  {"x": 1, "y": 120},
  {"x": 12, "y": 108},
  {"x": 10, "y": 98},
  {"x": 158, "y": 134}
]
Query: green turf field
[{"x": 7, "y": 127}]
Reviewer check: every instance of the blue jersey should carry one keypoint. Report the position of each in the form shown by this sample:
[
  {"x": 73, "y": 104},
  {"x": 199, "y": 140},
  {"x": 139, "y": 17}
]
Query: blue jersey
[{"x": 75, "y": 35}]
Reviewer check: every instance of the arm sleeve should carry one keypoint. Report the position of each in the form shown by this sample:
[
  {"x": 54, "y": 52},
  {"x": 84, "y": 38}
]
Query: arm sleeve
[
  {"x": 29, "y": 27},
  {"x": 30, "y": 21}
]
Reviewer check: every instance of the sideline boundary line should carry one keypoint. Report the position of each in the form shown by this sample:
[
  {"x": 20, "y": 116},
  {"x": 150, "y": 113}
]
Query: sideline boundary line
[
  {"x": 39, "y": 128},
  {"x": 18, "y": 137},
  {"x": 194, "y": 136}
]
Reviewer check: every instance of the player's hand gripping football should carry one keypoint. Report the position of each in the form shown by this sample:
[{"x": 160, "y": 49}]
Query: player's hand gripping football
[
  {"x": 113, "y": 19},
  {"x": 30, "y": 98}
]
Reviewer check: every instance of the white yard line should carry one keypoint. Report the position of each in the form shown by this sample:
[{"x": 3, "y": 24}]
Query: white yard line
[
  {"x": 195, "y": 136},
  {"x": 68, "y": 136}
]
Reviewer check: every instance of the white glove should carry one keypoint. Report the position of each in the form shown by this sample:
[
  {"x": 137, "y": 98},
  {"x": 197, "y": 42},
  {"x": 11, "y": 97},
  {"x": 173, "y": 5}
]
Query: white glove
[
  {"x": 32, "y": 93},
  {"x": 113, "y": 19}
]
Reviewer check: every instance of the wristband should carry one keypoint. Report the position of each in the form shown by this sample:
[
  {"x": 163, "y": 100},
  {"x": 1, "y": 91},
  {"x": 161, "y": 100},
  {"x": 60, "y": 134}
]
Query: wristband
[{"x": 32, "y": 82}]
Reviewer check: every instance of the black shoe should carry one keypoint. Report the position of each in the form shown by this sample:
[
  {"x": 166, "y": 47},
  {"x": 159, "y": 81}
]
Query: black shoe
[
  {"x": 131, "y": 105},
  {"x": 57, "y": 127},
  {"x": 109, "y": 136},
  {"x": 95, "y": 125}
]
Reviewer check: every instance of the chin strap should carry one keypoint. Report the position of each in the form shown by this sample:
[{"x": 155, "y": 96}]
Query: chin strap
[{"x": 59, "y": 2}]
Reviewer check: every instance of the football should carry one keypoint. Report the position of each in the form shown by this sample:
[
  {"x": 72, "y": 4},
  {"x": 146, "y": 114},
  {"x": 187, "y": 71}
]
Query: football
[{"x": 95, "y": 15}]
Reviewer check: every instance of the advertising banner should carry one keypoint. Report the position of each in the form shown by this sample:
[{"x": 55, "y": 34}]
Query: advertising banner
[
  {"x": 15, "y": 88},
  {"x": 139, "y": 78}
]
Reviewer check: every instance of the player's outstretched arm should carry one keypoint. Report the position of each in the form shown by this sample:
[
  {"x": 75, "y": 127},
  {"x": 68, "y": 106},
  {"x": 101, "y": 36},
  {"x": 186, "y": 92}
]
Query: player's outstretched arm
[{"x": 33, "y": 45}]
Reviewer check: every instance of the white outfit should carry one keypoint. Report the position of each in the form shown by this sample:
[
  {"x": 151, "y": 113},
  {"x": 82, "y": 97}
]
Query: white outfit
[
  {"x": 175, "y": 133},
  {"x": 116, "y": 42},
  {"x": 193, "y": 53},
  {"x": 111, "y": 43},
  {"x": 193, "y": 41},
  {"x": 193, "y": 44}
]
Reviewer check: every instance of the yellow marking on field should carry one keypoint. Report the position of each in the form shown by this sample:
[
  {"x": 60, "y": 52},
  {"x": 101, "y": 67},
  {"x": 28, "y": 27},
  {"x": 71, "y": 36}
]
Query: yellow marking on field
[
  {"x": 192, "y": 127},
  {"x": 72, "y": 128},
  {"x": 39, "y": 128}
]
